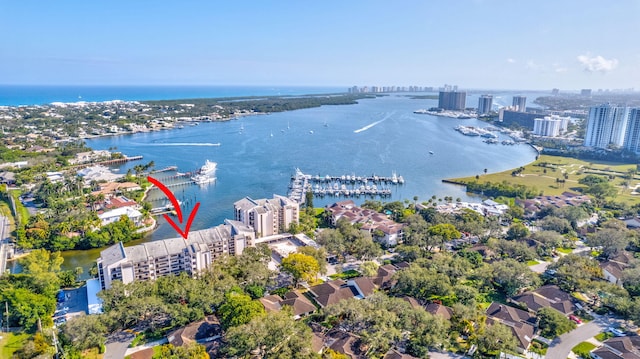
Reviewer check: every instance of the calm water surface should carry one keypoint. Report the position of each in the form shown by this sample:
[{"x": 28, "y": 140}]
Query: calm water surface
[{"x": 258, "y": 154}]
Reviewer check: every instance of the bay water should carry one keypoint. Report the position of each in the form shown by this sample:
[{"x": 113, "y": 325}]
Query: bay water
[{"x": 258, "y": 155}]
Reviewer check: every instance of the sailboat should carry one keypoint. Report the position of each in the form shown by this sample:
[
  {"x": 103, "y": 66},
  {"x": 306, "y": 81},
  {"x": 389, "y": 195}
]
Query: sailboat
[{"x": 271, "y": 134}]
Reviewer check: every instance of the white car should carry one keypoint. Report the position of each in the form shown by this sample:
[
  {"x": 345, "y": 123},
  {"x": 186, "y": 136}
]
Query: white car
[{"x": 617, "y": 332}]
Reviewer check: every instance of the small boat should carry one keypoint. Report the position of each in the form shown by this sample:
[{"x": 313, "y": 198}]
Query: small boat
[
  {"x": 430, "y": 152},
  {"x": 311, "y": 131},
  {"x": 202, "y": 179},
  {"x": 271, "y": 134}
]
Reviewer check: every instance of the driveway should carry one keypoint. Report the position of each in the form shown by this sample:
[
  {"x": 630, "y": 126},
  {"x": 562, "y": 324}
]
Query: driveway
[
  {"x": 446, "y": 355},
  {"x": 117, "y": 345},
  {"x": 561, "y": 346}
]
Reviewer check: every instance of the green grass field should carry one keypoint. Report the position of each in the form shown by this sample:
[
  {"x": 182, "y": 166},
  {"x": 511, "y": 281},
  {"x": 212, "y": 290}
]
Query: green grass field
[
  {"x": 11, "y": 342},
  {"x": 546, "y": 171}
]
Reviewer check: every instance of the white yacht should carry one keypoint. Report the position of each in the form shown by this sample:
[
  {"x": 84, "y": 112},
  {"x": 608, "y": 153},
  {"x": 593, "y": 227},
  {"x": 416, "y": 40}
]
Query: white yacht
[
  {"x": 202, "y": 179},
  {"x": 208, "y": 168}
]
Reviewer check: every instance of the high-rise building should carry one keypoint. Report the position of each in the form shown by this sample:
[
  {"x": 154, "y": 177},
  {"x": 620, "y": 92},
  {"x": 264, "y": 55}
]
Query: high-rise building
[
  {"x": 267, "y": 216},
  {"x": 151, "y": 260},
  {"x": 520, "y": 103},
  {"x": 585, "y": 92},
  {"x": 484, "y": 104},
  {"x": 547, "y": 126},
  {"x": 452, "y": 100},
  {"x": 632, "y": 136},
  {"x": 606, "y": 126}
]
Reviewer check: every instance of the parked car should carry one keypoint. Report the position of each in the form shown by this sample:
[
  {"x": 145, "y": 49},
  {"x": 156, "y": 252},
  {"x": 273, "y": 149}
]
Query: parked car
[
  {"x": 575, "y": 319},
  {"x": 617, "y": 332}
]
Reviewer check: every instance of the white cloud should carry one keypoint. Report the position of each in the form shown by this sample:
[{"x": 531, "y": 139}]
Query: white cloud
[
  {"x": 559, "y": 68},
  {"x": 531, "y": 65},
  {"x": 597, "y": 63},
  {"x": 511, "y": 61}
]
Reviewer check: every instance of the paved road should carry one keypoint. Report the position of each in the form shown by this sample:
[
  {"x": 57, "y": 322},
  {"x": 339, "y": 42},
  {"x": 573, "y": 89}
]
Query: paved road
[
  {"x": 4, "y": 243},
  {"x": 446, "y": 355},
  {"x": 145, "y": 346},
  {"x": 561, "y": 346},
  {"x": 117, "y": 345}
]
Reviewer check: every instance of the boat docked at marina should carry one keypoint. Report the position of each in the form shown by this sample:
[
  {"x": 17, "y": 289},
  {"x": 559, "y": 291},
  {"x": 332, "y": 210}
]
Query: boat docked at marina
[
  {"x": 208, "y": 168},
  {"x": 202, "y": 179}
]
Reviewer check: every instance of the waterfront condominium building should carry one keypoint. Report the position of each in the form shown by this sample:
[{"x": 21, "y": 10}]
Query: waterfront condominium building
[
  {"x": 452, "y": 100},
  {"x": 520, "y": 103},
  {"x": 632, "y": 136},
  {"x": 267, "y": 216},
  {"x": 484, "y": 104},
  {"x": 550, "y": 126},
  {"x": 606, "y": 126},
  {"x": 172, "y": 256}
]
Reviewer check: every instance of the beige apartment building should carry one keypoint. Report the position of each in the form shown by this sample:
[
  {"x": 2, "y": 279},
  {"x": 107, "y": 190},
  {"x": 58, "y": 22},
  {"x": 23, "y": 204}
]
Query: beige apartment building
[
  {"x": 173, "y": 256},
  {"x": 267, "y": 216}
]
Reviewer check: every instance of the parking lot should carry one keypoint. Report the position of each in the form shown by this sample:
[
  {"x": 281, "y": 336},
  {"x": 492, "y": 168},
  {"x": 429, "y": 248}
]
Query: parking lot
[{"x": 76, "y": 302}]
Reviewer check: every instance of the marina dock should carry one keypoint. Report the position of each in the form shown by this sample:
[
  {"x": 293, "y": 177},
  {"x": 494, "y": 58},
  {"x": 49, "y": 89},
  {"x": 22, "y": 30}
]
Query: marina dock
[{"x": 341, "y": 186}]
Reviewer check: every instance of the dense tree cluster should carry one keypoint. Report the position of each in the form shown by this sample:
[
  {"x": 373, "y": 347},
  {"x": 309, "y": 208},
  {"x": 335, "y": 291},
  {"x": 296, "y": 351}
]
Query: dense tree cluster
[{"x": 347, "y": 239}]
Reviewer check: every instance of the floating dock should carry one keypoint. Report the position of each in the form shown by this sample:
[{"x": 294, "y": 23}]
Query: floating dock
[{"x": 341, "y": 186}]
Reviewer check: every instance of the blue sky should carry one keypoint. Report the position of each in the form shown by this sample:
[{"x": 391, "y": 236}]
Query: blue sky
[{"x": 494, "y": 44}]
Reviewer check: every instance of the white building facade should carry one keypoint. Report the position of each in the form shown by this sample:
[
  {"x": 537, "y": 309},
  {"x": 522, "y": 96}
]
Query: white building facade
[
  {"x": 547, "y": 126},
  {"x": 606, "y": 126},
  {"x": 632, "y": 136}
]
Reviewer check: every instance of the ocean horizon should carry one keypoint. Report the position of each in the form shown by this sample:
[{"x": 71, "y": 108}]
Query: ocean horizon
[{"x": 26, "y": 95}]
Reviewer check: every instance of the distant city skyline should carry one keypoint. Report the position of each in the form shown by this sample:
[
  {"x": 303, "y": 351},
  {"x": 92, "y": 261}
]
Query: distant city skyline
[{"x": 476, "y": 44}]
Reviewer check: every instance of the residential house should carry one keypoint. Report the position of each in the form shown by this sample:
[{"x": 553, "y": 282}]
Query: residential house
[
  {"x": 548, "y": 296},
  {"x": 300, "y": 305},
  {"x": 208, "y": 328},
  {"x": 205, "y": 332},
  {"x": 344, "y": 343},
  {"x": 394, "y": 354},
  {"x": 384, "y": 278},
  {"x": 110, "y": 189},
  {"x": 519, "y": 321},
  {"x": 380, "y": 226},
  {"x": 613, "y": 268},
  {"x": 533, "y": 206},
  {"x": 333, "y": 291},
  {"x": 440, "y": 310},
  {"x": 114, "y": 215},
  {"x": 119, "y": 202},
  {"x": 8, "y": 178},
  {"x": 619, "y": 348}
]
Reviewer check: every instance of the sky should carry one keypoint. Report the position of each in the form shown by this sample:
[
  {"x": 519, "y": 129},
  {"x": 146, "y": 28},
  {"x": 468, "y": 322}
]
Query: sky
[{"x": 475, "y": 44}]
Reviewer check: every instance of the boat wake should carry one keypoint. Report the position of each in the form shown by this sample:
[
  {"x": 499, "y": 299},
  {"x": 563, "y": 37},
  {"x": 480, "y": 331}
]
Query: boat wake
[
  {"x": 371, "y": 125},
  {"x": 185, "y": 144}
]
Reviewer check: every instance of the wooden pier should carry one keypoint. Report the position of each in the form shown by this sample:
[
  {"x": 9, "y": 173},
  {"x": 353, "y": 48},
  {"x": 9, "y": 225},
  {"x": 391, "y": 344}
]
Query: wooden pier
[{"x": 116, "y": 161}]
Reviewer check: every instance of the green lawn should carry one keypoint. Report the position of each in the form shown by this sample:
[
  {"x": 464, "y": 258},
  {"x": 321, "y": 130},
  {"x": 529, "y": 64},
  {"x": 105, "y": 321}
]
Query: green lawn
[
  {"x": 603, "y": 336},
  {"x": 11, "y": 342},
  {"x": 564, "y": 250},
  {"x": 544, "y": 173},
  {"x": 348, "y": 274},
  {"x": 583, "y": 348},
  {"x": 532, "y": 262}
]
